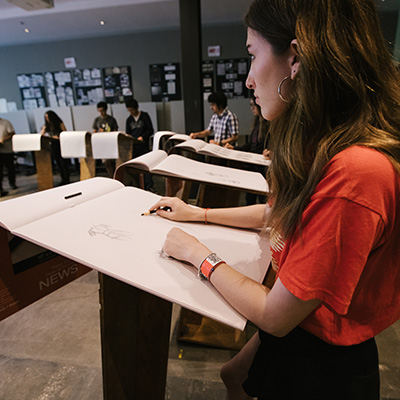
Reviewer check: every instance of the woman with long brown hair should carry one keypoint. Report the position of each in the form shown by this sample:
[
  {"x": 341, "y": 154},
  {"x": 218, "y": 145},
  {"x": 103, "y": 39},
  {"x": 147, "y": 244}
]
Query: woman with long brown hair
[
  {"x": 322, "y": 75},
  {"x": 53, "y": 126},
  {"x": 258, "y": 142}
]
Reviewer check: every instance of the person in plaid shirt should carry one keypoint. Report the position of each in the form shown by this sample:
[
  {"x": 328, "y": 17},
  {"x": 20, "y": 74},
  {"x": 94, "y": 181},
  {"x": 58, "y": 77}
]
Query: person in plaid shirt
[{"x": 224, "y": 125}]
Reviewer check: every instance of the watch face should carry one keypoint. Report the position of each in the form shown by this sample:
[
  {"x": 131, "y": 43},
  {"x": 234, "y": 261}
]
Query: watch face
[
  {"x": 213, "y": 258},
  {"x": 208, "y": 265}
]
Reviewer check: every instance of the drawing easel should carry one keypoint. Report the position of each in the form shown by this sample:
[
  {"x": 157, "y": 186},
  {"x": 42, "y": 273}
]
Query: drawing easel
[
  {"x": 87, "y": 163},
  {"x": 135, "y": 326},
  {"x": 41, "y": 146},
  {"x": 77, "y": 144},
  {"x": 89, "y": 147},
  {"x": 131, "y": 340},
  {"x": 112, "y": 146}
]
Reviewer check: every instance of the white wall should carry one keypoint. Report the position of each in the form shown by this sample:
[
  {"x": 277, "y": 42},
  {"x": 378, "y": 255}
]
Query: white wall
[
  {"x": 177, "y": 114},
  {"x": 19, "y": 120},
  {"x": 83, "y": 117}
]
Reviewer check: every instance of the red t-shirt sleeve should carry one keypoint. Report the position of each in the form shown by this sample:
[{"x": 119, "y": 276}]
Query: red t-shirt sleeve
[{"x": 327, "y": 259}]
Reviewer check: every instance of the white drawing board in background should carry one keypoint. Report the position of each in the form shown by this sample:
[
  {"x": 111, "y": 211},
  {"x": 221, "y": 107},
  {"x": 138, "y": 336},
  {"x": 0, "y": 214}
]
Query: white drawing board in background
[
  {"x": 167, "y": 134},
  {"x": 105, "y": 145},
  {"x": 73, "y": 144},
  {"x": 158, "y": 162},
  {"x": 27, "y": 142}
]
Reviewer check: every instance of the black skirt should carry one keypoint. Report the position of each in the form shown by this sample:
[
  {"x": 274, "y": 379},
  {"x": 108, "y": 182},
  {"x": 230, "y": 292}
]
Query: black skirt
[{"x": 302, "y": 366}]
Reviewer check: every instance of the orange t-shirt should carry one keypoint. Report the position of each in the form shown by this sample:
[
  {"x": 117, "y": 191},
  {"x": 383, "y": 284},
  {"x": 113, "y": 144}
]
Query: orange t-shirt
[{"x": 348, "y": 254}]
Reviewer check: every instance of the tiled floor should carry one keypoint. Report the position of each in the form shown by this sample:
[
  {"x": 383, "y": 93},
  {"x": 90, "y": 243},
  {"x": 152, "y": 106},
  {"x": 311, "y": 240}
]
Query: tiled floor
[{"x": 51, "y": 349}]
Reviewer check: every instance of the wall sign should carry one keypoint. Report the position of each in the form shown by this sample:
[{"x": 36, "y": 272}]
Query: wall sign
[
  {"x": 70, "y": 62},
  {"x": 213, "y": 51}
]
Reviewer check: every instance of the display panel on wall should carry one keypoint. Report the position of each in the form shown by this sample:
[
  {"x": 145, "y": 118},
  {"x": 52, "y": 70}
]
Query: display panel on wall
[
  {"x": 117, "y": 84},
  {"x": 165, "y": 81},
  {"x": 208, "y": 78},
  {"x": 32, "y": 89},
  {"x": 60, "y": 92},
  {"x": 88, "y": 86},
  {"x": 231, "y": 77}
]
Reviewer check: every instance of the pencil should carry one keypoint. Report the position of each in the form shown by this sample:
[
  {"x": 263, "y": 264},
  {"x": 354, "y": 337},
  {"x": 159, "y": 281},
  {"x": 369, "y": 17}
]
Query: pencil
[{"x": 153, "y": 211}]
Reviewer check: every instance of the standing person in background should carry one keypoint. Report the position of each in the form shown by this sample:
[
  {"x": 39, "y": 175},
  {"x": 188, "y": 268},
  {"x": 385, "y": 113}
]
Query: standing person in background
[
  {"x": 139, "y": 126},
  {"x": 52, "y": 127},
  {"x": 105, "y": 123},
  {"x": 258, "y": 143},
  {"x": 6, "y": 155},
  {"x": 223, "y": 126},
  {"x": 323, "y": 76}
]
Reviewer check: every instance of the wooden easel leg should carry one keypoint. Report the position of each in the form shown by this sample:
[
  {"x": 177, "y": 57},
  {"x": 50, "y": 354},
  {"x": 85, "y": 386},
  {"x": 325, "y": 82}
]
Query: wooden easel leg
[
  {"x": 44, "y": 168},
  {"x": 173, "y": 186},
  {"x": 135, "y": 328},
  {"x": 88, "y": 168},
  {"x": 215, "y": 196}
]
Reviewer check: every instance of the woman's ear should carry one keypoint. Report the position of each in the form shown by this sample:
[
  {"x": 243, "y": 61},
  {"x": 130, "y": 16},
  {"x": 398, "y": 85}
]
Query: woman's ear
[{"x": 294, "y": 58}]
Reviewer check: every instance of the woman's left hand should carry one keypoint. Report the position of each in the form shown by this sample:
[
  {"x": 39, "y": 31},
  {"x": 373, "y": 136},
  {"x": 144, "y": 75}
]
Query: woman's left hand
[{"x": 182, "y": 246}]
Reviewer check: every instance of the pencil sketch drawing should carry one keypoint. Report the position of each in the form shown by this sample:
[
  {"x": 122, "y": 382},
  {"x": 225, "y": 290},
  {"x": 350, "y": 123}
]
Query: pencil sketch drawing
[{"x": 106, "y": 230}]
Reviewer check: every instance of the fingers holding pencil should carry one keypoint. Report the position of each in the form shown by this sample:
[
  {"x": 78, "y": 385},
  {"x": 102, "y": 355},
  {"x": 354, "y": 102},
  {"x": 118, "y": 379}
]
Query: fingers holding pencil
[
  {"x": 174, "y": 209},
  {"x": 155, "y": 210}
]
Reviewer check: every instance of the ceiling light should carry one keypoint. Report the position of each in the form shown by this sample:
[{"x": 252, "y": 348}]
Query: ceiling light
[
  {"x": 102, "y": 22},
  {"x": 26, "y": 30}
]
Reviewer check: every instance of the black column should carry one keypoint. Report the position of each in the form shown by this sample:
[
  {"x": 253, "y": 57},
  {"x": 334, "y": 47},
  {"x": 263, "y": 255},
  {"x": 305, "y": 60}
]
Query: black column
[{"x": 190, "y": 19}]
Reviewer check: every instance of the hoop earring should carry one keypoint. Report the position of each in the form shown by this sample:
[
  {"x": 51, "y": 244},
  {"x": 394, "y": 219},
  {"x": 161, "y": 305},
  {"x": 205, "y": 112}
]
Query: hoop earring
[{"x": 280, "y": 89}]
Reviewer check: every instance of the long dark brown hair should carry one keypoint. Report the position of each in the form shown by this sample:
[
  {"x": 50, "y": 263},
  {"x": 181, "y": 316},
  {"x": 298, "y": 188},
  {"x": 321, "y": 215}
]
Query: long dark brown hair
[
  {"x": 263, "y": 125},
  {"x": 53, "y": 125},
  {"x": 346, "y": 93}
]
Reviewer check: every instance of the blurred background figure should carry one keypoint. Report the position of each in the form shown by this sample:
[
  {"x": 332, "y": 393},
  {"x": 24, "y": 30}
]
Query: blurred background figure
[
  {"x": 105, "y": 123},
  {"x": 257, "y": 143},
  {"x": 139, "y": 126},
  {"x": 52, "y": 127},
  {"x": 224, "y": 126},
  {"x": 6, "y": 155}
]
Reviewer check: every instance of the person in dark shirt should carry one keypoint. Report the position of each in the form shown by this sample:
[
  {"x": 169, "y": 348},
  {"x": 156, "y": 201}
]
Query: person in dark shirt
[
  {"x": 105, "y": 123},
  {"x": 139, "y": 126},
  {"x": 53, "y": 126},
  {"x": 258, "y": 143}
]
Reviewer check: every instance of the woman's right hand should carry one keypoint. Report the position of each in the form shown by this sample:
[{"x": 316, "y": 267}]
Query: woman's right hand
[
  {"x": 182, "y": 246},
  {"x": 267, "y": 154},
  {"x": 178, "y": 210}
]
